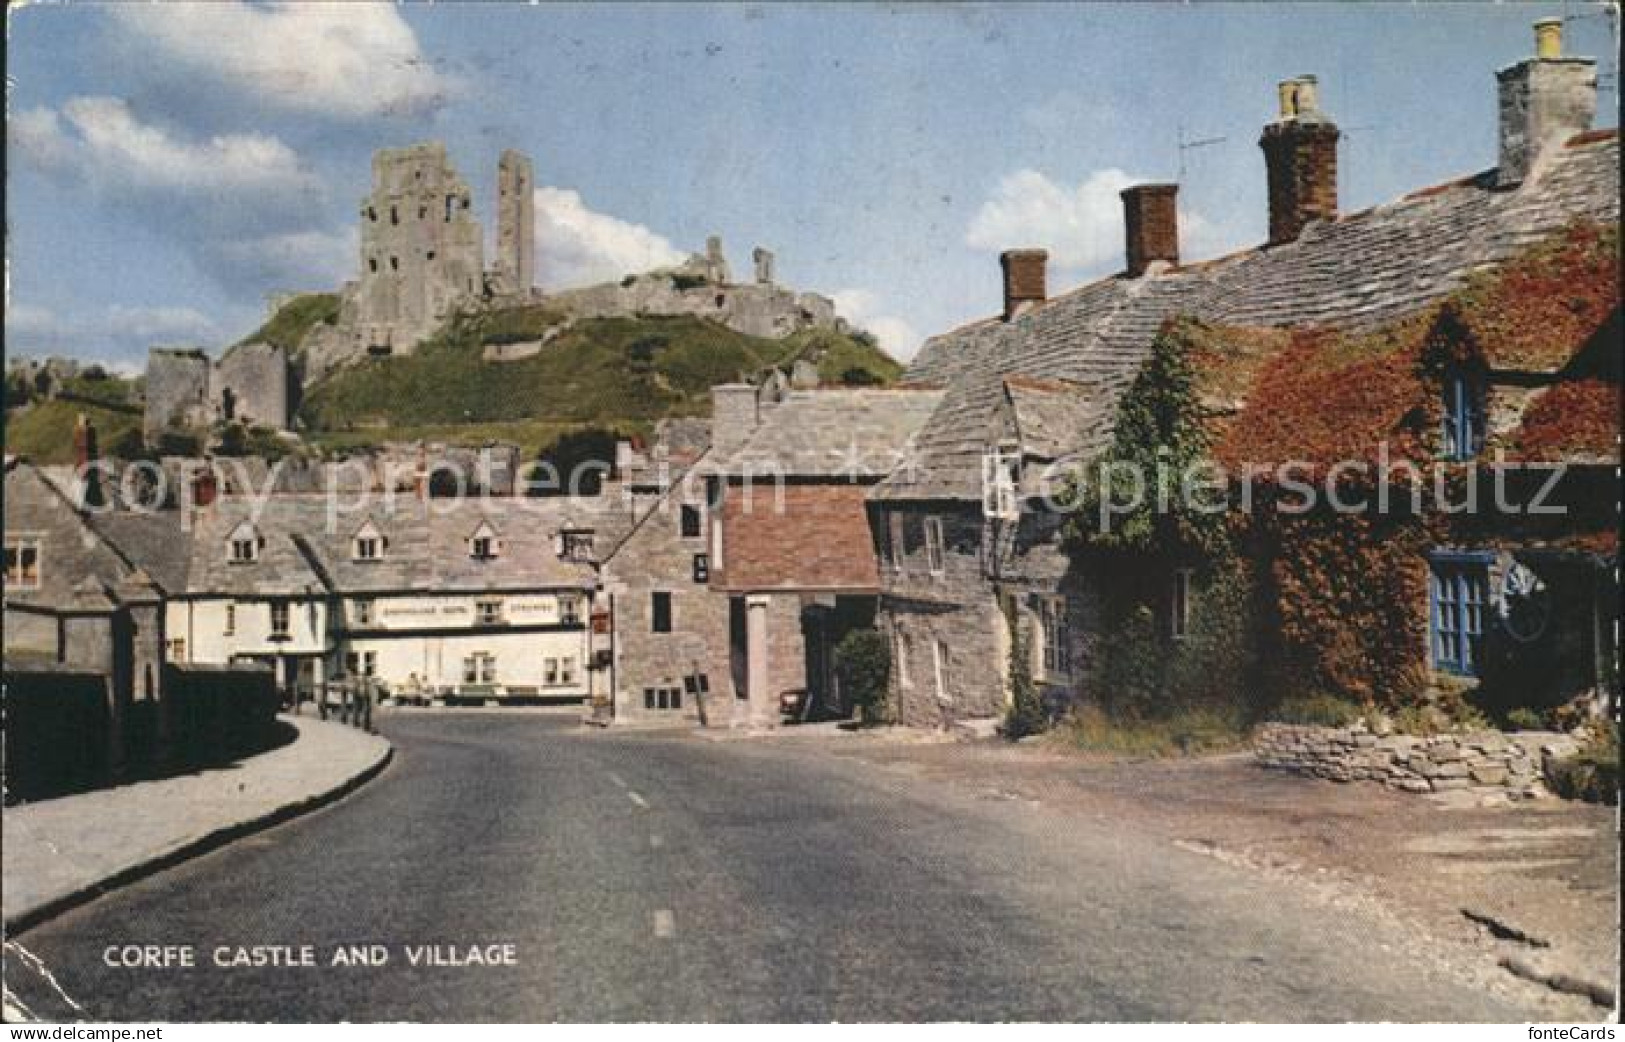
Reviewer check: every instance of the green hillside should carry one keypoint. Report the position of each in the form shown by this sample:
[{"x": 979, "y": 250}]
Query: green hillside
[
  {"x": 294, "y": 319},
  {"x": 609, "y": 373},
  {"x": 43, "y": 432}
]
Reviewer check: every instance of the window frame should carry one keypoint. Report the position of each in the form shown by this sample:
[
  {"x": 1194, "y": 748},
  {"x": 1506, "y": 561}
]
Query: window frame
[
  {"x": 489, "y": 611},
  {"x": 662, "y": 612},
  {"x": 936, "y": 557},
  {"x": 1458, "y": 599},
  {"x": 16, "y": 545},
  {"x": 1463, "y": 433},
  {"x": 687, "y": 512},
  {"x": 281, "y": 611},
  {"x": 1052, "y": 614},
  {"x": 569, "y": 608},
  {"x": 1180, "y": 583}
]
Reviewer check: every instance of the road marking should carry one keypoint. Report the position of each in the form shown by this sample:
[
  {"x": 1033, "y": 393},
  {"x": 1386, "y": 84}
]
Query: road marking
[
  {"x": 665, "y": 923},
  {"x": 635, "y": 798},
  {"x": 655, "y": 842},
  {"x": 617, "y": 779}
]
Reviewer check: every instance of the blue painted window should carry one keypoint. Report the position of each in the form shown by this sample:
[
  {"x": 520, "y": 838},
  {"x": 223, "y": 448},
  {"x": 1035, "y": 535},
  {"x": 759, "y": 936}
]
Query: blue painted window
[
  {"x": 1463, "y": 417},
  {"x": 1459, "y": 588}
]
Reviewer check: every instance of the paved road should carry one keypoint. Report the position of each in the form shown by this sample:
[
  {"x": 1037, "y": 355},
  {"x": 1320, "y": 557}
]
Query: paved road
[{"x": 665, "y": 877}]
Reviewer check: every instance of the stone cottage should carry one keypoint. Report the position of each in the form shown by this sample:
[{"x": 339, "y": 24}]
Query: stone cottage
[{"x": 969, "y": 537}]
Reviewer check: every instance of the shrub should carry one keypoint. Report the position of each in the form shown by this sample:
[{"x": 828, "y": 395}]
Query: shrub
[
  {"x": 1592, "y": 774},
  {"x": 1320, "y": 709},
  {"x": 1025, "y": 714},
  {"x": 1184, "y": 732},
  {"x": 1525, "y": 719},
  {"x": 863, "y": 662}
]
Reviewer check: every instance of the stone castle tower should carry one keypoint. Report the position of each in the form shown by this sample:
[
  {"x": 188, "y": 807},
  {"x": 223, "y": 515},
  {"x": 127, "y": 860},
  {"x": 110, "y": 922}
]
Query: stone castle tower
[
  {"x": 421, "y": 248},
  {"x": 514, "y": 272}
]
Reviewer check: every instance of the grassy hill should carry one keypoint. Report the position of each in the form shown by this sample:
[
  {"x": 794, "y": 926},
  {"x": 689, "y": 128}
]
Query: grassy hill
[
  {"x": 607, "y": 373},
  {"x": 43, "y": 432},
  {"x": 295, "y": 318}
]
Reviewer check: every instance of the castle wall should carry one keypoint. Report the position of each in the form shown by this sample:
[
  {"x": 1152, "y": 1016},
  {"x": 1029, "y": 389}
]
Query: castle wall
[
  {"x": 515, "y": 268},
  {"x": 251, "y": 384},
  {"x": 177, "y": 391},
  {"x": 422, "y": 250}
]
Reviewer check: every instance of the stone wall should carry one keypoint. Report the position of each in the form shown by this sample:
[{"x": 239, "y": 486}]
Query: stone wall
[
  {"x": 1490, "y": 760},
  {"x": 252, "y": 383},
  {"x": 177, "y": 391},
  {"x": 755, "y": 309}
]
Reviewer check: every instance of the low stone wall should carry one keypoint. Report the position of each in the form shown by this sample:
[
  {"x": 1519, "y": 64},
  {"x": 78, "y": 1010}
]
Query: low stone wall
[{"x": 1491, "y": 760}]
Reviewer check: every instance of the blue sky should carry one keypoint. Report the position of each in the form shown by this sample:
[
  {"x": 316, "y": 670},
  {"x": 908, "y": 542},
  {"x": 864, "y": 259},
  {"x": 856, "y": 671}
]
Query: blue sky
[{"x": 172, "y": 165}]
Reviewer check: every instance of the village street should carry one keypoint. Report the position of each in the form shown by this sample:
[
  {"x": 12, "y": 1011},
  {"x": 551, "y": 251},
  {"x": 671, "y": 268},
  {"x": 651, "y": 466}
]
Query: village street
[{"x": 668, "y": 876}]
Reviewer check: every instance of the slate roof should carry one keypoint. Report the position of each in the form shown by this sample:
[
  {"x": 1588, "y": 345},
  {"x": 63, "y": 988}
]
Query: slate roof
[
  {"x": 1357, "y": 271},
  {"x": 427, "y": 548},
  {"x": 73, "y": 560},
  {"x": 1050, "y": 414},
  {"x": 151, "y": 541},
  {"x": 852, "y": 434}
]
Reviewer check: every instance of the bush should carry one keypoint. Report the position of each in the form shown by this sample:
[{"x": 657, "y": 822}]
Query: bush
[
  {"x": 1525, "y": 719},
  {"x": 864, "y": 663},
  {"x": 1321, "y": 710}
]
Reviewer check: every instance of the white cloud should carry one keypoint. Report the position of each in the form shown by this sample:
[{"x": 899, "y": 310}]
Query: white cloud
[
  {"x": 103, "y": 141},
  {"x": 308, "y": 259},
  {"x": 117, "y": 338},
  {"x": 1081, "y": 227},
  {"x": 342, "y": 60},
  {"x": 576, "y": 246},
  {"x": 864, "y": 310}
]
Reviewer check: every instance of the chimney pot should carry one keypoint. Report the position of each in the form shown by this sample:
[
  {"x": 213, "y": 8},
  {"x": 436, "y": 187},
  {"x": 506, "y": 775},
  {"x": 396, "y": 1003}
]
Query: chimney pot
[
  {"x": 1024, "y": 277},
  {"x": 1300, "y": 157},
  {"x": 1549, "y": 38},
  {"x": 1150, "y": 226}
]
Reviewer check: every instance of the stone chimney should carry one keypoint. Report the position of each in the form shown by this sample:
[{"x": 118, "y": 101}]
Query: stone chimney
[
  {"x": 1544, "y": 101},
  {"x": 734, "y": 415},
  {"x": 1023, "y": 280},
  {"x": 1300, "y": 154},
  {"x": 85, "y": 453},
  {"x": 1150, "y": 227}
]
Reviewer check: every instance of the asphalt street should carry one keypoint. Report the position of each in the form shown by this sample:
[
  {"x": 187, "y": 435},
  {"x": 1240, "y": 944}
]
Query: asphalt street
[{"x": 660, "y": 876}]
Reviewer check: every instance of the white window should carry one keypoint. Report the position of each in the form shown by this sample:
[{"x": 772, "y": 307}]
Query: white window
[
  {"x": 22, "y": 563},
  {"x": 550, "y": 672},
  {"x": 1179, "y": 605},
  {"x": 177, "y": 649},
  {"x": 480, "y": 668},
  {"x": 900, "y": 657},
  {"x": 939, "y": 662},
  {"x": 999, "y": 474},
  {"x": 569, "y": 609},
  {"x": 488, "y": 613},
  {"x": 368, "y": 548},
  {"x": 279, "y": 619},
  {"x": 231, "y": 618},
  {"x": 244, "y": 544},
  {"x": 1054, "y": 654},
  {"x": 567, "y": 670},
  {"x": 361, "y": 609},
  {"x": 663, "y": 698},
  {"x": 933, "y": 544}
]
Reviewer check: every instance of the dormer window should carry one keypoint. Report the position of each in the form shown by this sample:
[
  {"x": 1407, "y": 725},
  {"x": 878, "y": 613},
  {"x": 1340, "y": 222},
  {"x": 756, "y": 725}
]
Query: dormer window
[
  {"x": 576, "y": 546},
  {"x": 1463, "y": 416},
  {"x": 244, "y": 544},
  {"x": 484, "y": 545},
  {"x": 22, "y": 562},
  {"x": 1001, "y": 469},
  {"x": 369, "y": 544}
]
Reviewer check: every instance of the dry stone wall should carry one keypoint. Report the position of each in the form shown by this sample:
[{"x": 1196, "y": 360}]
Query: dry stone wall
[{"x": 1513, "y": 763}]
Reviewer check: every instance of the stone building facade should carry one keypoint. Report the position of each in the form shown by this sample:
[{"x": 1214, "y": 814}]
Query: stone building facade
[
  {"x": 188, "y": 391},
  {"x": 514, "y": 272},
  {"x": 974, "y": 537}
]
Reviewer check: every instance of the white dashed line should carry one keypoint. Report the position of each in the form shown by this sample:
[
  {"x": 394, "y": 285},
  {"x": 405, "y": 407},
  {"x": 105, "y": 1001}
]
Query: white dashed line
[
  {"x": 617, "y": 779},
  {"x": 665, "y": 923},
  {"x": 635, "y": 798}
]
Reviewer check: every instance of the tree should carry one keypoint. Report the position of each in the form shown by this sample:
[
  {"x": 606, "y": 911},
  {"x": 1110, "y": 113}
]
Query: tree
[{"x": 863, "y": 662}]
